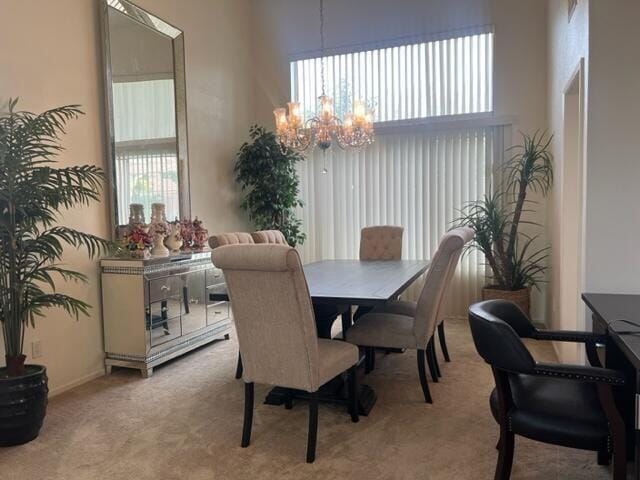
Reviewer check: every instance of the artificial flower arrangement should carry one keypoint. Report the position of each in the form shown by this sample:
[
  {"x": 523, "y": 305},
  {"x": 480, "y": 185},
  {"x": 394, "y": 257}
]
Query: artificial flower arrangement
[
  {"x": 194, "y": 235},
  {"x": 200, "y": 235},
  {"x": 137, "y": 240}
]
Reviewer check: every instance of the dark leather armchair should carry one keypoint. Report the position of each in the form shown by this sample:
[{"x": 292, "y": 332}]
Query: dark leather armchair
[{"x": 566, "y": 405}]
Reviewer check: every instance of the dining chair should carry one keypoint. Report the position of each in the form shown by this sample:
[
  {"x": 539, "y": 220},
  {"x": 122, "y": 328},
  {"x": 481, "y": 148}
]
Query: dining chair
[
  {"x": 276, "y": 330},
  {"x": 232, "y": 238},
  {"x": 379, "y": 242},
  {"x": 406, "y": 307},
  {"x": 392, "y": 330},
  {"x": 269, "y": 236},
  {"x": 568, "y": 405},
  {"x": 325, "y": 314}
]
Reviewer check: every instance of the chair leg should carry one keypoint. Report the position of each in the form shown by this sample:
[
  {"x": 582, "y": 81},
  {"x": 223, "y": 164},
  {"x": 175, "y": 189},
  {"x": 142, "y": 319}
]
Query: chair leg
[
  {"x": 239, "y": 368},
  {"x": 505, "y": 456},
  {"x": 313, "y": 427},
  {"x": 435, "y": 358},
  {"x": 617, "y": 428},
  {"x": 352, "y": 381},
  {"x": 604, "y": 457},
  {"x": 423, "y": 376},
  {"x": 432, "y": 367},
  {"x": 248, "y": 414},
  {"x": 443, "y": 342}
]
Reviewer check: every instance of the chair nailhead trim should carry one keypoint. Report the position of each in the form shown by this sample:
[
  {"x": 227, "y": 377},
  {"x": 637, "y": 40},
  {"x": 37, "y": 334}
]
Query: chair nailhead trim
[{"x": 576, "y": 376}]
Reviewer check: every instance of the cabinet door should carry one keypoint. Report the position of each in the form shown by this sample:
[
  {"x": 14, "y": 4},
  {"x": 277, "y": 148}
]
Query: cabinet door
[
  {"x": 194, "y": 315},
  {"x": 163, "y": 320}
]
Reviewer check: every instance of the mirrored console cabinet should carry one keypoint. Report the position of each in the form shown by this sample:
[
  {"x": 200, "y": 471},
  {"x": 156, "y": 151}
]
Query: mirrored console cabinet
[{"x": 156, "y": 309}]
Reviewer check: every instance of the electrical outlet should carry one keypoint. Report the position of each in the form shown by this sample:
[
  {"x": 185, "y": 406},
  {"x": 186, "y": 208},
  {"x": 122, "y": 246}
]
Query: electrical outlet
[{"x": 36, "y": 349}]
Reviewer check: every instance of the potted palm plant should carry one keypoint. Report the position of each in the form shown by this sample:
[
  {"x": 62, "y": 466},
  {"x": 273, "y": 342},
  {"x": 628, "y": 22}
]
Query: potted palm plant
[
  {"x": 515, "y": 262},
  {"x": 32, "y": 193}
]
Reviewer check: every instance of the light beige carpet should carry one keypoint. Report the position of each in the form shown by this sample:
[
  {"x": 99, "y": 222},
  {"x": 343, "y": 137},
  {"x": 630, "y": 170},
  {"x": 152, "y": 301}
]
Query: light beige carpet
[{"x": 185, "y": 423}]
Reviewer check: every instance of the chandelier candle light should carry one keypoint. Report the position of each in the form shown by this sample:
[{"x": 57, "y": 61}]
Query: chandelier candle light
[{"x": 354, "y": 131}]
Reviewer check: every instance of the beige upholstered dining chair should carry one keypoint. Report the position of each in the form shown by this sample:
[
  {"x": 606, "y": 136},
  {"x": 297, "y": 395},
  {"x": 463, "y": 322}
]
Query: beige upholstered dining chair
[
  {"x": 277, "y": 332},
  {"x": 325, "y": 314},
  {"x": 394, "y": 330},
  {"x": 403, "y": 307},
  {"x": 381, "y": 242},
  {"x": 232, "y": 238},
  {"x": 269, "y": 236}
]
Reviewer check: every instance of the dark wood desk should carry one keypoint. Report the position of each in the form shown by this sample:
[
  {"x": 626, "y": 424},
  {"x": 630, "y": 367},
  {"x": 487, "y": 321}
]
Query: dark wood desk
[
  {"x": 622, "y": 353},
  {"x": 345, "y": 283}
]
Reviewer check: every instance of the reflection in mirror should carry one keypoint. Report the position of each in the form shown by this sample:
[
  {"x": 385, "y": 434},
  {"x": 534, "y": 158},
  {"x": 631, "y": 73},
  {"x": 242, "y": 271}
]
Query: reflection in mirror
[{"x": 148, "y": 165}]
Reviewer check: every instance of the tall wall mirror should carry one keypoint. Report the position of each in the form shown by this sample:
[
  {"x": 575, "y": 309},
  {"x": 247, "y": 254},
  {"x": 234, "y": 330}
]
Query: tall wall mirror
[{"x": 146, "y": 112}]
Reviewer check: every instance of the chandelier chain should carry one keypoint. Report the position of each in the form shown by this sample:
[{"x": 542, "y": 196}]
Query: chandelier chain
[{"x": 322, "y": 45}]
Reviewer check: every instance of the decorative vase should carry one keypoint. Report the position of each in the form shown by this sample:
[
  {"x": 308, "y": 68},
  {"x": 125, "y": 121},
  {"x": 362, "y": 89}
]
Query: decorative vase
[
  {"x": 136, "y": 214},
  {"x": 23, "y": 405},
  {"x": 158, "y": 230},
  {"x": 159, "y": 249},
  {"x": 174, "y": 238},
  {"x": 158, "y": 213},
  {"x": 519, "y": 297}
]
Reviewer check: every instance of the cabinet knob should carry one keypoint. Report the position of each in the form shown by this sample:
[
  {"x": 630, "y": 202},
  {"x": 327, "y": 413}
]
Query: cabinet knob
[
  {"x": 217, "y": 312},
  {"x": 164, "y": 309},
  {"x": 164, "y": 288}
]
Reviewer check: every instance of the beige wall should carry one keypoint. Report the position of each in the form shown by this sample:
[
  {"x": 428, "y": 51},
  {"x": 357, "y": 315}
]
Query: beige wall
[
  {"x": 608, "y": 259},
  {"x": 51, "y": 56},
  {"x": 568, "y": 44},
  {"x": 286, "y": 27},
  {"x": 612, "y": 257}
]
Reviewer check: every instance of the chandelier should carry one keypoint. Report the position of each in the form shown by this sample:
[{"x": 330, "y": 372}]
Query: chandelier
[{"x": 355, "y": 130}]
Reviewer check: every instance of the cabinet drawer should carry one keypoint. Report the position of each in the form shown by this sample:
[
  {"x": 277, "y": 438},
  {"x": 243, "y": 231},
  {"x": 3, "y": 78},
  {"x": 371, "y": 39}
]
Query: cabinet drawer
[
  {"x": 214, "y": 276},
  {"x": 164, "y": 330},
  {"x": 167, "y": 287},
  {"x": 217, "y": 312}
]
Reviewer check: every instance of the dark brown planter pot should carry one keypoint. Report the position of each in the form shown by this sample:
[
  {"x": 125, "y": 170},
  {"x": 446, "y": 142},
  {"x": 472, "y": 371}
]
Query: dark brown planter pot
[
  {"x": 519, "y": 297},
  {"x": 23, "y": 405}
]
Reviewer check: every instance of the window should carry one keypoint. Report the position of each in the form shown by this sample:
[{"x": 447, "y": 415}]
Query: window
[
  {"x": 452, "y": 76},
  {"x": 416, "y": 174}
]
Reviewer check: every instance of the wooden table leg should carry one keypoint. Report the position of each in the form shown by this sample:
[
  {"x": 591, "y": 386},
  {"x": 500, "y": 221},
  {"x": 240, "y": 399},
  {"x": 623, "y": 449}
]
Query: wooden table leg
[{"x": 347, "y": 320}]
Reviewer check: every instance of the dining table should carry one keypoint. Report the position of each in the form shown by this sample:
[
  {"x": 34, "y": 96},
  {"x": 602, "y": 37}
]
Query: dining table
[{"x": 335, "y": 287}]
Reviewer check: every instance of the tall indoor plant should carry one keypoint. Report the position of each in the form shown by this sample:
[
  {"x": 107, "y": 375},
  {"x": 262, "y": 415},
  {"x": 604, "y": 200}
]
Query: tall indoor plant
[
  {"x": 32, "y": 194},
  {"x": 266, "y": 172},
  {"x": 516, "y": 263}
]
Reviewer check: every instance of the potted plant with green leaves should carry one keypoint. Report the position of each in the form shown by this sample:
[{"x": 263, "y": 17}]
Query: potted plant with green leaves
[
  {"x": 266, "y": 172},
  {"x": 32, "y": 194},
  {"x": 516, "y": 261}
]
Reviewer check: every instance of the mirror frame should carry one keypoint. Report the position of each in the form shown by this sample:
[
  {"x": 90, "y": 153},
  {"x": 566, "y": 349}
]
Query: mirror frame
[{"x": 176, "y": 35}]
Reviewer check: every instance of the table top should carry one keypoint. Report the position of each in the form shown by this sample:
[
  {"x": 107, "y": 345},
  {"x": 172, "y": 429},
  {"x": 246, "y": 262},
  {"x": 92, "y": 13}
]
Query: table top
[
  {"x": 356, "y": 282},
  {"x": 610, "y": 307}
]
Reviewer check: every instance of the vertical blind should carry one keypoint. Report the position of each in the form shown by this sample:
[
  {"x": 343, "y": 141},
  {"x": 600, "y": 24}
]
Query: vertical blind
[
  {"x": 450, "y": 76},
  {"x": 413, "y": 175},
  {"x": 419, "y": 180}
]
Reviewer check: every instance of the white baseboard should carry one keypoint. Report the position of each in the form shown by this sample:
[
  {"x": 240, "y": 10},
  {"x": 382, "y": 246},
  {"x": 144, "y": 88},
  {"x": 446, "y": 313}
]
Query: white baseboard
[{"x": 79, "y": 381}]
